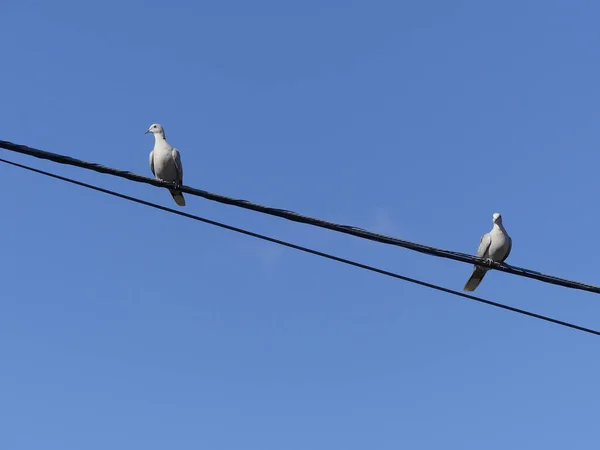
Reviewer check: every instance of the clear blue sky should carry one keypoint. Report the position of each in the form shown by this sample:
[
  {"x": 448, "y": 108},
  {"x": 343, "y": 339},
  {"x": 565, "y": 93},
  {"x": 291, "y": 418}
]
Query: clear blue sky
[{"x": 124, "y": 327}]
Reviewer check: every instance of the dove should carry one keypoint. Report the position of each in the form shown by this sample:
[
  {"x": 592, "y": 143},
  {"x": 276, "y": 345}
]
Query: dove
[
  {"x": 494, "y": 246},
  {"x": 165, "y": 162}
]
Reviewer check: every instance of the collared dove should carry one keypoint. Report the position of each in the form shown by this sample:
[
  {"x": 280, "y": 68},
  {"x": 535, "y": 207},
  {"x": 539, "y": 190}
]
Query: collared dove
[
  {"x": 494, "y": 246},
  {"x": 165, "y": 162}
]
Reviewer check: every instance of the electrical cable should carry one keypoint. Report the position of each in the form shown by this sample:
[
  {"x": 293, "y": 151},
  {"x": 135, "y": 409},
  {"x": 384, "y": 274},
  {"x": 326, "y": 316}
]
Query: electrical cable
[
  {"x": 307, "y": 250},
  {"x": 290, "y": 215}
]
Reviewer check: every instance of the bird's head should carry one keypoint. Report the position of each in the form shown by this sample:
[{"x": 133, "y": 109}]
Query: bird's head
[
  {"x": 156, "y": 128},
  {"x": 497, "y": 217}
]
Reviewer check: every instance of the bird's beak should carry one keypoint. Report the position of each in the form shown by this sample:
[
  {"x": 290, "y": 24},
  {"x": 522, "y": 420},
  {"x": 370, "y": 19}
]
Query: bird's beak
[{"x": 147, "y": 131}]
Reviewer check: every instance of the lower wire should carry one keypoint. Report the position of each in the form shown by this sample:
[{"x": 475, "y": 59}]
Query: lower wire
[{"x": 307, "y": 250}]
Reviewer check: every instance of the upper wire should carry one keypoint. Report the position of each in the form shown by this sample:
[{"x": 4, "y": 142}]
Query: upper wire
[{"x": 293, "y": 216}]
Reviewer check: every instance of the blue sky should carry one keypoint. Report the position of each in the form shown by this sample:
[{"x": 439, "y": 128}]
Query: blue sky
[{"x": 124, "y": 327}]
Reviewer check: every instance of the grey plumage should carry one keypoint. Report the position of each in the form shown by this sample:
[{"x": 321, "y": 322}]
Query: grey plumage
[
  {"x": 495, "y": 246},
  {"x": 165, "y": 162}
]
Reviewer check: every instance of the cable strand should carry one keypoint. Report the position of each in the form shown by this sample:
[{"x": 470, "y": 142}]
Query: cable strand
[
  {"x": 307, "y": 250},
  {"x": 295, "y": 217}
]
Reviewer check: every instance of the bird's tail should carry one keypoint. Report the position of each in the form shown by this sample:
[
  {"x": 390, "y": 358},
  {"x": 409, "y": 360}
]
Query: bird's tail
[
  {"x": 178, "y": 197},
  {"x": 475, "y": 279}
]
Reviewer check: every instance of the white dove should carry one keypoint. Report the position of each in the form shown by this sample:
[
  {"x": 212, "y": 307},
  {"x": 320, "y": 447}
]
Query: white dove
[
  {"x": 165, "y": 162},
  {"x": 494, "y": 246}
]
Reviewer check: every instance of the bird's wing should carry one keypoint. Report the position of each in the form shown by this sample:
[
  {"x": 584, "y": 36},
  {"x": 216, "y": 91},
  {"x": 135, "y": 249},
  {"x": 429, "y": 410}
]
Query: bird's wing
[
  {"x": 152, "y": 162},
  {"x": 509, "y": 248},
  {"x": 177, "y": 161},
  {"x": 484, "y": 246}
]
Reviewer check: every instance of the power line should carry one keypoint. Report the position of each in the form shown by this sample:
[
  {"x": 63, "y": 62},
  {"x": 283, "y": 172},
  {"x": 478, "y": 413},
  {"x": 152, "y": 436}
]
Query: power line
[
  {"x": 290, "y": 215},
  {"x": 307, "y": 250}
]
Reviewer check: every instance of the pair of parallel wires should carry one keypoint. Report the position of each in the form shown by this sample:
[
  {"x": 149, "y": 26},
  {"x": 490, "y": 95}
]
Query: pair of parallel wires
[{"x": 293, "y": 216}]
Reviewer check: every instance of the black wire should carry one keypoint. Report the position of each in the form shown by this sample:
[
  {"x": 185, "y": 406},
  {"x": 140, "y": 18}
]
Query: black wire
[
  {"x": 307, "y": 250},
  {"x": 354, "y": 231}
]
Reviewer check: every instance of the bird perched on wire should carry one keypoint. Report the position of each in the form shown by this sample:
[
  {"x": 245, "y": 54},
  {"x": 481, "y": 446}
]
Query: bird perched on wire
[
  {"x": 494, "y": 246},
  {"x": 165, "y": 162}
]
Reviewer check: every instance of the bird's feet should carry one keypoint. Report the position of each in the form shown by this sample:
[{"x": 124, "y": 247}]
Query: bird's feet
[
  {"x": 490, "y": 262},
  {"x": 177, "y": 185}
]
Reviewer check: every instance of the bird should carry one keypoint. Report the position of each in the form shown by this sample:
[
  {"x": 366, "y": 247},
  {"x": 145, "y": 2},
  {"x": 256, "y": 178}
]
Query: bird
[
  {"x": 165, "y": 162},
  {"x": 494, "y": 246}
]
